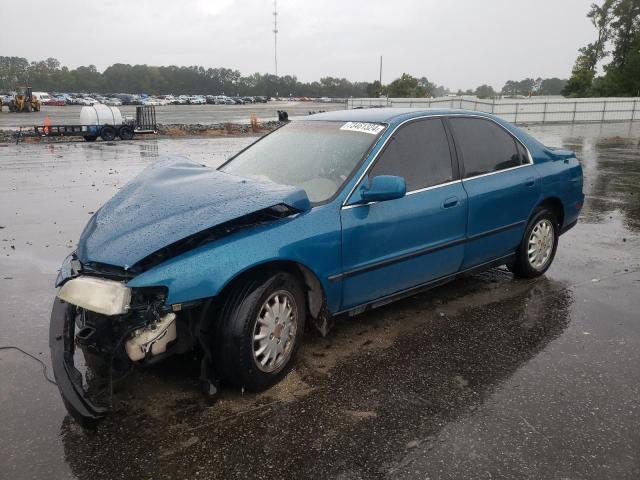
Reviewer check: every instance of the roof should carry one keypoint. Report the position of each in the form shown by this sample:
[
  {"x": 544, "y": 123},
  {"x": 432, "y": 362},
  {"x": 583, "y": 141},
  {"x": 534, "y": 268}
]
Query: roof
[
  {"x": 386, "y": 115},
  {"x": 395, "y": 116}
]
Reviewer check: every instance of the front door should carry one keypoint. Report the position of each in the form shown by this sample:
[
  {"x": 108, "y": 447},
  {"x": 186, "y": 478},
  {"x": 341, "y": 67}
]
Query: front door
[{"x": 395, "y": 245}]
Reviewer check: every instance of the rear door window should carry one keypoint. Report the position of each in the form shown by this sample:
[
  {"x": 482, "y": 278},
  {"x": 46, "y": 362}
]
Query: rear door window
[
  {"x": 485, "y": 147},
  {"x": 418, "y": 152}
]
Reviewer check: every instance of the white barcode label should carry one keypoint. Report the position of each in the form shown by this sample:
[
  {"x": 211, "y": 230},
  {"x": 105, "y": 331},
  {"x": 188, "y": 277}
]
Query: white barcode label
[{"x": 364, "y": 127}]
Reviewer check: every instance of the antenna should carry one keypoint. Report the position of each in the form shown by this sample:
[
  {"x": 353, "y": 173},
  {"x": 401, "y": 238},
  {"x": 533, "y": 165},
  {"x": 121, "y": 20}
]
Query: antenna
[{"x": 275, "y": 34}]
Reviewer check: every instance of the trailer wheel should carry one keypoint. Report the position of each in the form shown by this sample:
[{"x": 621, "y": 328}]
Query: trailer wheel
[
  {"x": 125, "y": 132},
  {"x": 90, "y": 138},
  {"x": 108, "y": 133}
]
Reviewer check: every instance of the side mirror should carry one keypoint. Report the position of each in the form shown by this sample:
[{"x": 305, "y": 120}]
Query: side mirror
[{"x": 383, "y": 187}]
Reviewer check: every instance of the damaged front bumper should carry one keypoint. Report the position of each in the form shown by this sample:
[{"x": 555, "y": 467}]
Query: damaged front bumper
[
  {"x": 68, "y": 377},
  {"x": 112, "y": 325},
  {"x": 112, "y": 343}
]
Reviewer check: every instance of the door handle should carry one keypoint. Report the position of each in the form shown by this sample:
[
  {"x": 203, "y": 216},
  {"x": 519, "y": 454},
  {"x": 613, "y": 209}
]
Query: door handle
[
  {"x": 530, "y": 182},
  {"x": 450, "y": 202}
]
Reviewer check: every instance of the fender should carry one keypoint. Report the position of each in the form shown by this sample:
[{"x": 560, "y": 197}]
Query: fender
[{"x": 311, "y": 238}]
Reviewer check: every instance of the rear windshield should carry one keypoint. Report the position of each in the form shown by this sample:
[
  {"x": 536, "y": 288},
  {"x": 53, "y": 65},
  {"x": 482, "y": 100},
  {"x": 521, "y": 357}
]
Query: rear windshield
[{"x": 317, "y": 156}]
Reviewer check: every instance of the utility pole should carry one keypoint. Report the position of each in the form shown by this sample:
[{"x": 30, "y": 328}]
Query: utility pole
[
  {"x": 275, "y": 34},
  {"x": 380, "y": 94}
]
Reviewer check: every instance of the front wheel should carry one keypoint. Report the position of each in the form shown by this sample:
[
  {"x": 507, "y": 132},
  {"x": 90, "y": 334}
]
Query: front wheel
[
  {"x": 538, "y": 247},
  {"x": 260, "y": 329}
]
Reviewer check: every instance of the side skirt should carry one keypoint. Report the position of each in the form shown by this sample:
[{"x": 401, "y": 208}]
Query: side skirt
[{"x": 425, "y": 286}]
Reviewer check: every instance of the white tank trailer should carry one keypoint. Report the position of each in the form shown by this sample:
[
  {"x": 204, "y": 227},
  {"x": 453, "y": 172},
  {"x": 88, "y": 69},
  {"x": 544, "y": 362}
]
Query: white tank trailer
[
  {"x": 105, "y": 122},
  {"x": 100, "y": 114}
]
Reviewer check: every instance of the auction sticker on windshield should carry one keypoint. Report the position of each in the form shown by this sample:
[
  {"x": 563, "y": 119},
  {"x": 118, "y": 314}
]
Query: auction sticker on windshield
[{"x": 364, "y": 127}]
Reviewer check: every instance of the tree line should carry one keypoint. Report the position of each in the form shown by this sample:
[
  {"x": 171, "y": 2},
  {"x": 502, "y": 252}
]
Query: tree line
[
  {"x": 408, "y": 86},
  {"x": 617, "y": 25},
  {"x": 48, "y": 75}
]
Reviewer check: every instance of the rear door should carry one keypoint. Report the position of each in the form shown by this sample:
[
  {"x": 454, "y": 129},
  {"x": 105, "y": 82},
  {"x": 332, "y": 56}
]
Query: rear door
[
  {"x": 398, "y": 244},
  {"x": 502, "y": 186}
]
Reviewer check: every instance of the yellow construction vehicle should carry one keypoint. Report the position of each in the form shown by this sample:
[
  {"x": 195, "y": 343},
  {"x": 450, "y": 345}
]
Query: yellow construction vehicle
[{"x": 24, "y": 101}]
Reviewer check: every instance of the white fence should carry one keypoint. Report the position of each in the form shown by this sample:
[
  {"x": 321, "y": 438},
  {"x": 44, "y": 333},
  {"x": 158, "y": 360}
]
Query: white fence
[{"x": 529, "y": 110}]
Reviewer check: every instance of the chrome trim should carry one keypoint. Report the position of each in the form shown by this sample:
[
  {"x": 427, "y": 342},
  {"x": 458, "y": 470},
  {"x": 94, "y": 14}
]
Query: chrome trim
[
  {"x": 432, "y": 187},
  {"x": 420, "y": 190},
  {"x": 497, "y": 171},
  {"x": 468, "y": 115}
]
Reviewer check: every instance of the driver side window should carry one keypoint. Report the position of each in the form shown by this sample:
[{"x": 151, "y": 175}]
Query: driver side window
[{"x": 418, "y": 152}]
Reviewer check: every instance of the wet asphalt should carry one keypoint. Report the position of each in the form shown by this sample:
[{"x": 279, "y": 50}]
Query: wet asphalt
[{"x": 486, "y": 377}]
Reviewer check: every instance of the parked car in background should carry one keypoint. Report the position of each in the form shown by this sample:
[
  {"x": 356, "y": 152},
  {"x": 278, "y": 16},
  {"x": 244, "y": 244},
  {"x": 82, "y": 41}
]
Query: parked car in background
[
  {"x": 150, "y": 101},
  {"x": 57, "y": 102},
  {"x": 88, "y": 101},
  {"x": 113, "y": 102},
  {"x": 334, "y": 214},
  {"x": 183, "y": 100},
  {"x": 197, "y": 100},
  {"x": 43, "y": 97},
  {"x": 249, "y": 99},
  {"x": 63, "y": 96},
  {"x": 169, "y": 99},
  {"x": 261, "y": 99},
  {"x": 128, "y": 99}
]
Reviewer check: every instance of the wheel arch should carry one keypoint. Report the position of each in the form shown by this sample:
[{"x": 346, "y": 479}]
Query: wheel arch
[
  {"x": 315, "y": 293},
  {"x": 556, "y": 206}
]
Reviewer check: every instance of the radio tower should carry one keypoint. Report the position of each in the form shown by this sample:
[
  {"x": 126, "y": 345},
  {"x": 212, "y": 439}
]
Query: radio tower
[{"x": 275, "y": 33}]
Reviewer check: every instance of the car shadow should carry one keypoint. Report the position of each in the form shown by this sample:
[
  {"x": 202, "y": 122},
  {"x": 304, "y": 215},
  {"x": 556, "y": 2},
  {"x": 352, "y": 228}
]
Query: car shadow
[{"x": 351, "y": 405}]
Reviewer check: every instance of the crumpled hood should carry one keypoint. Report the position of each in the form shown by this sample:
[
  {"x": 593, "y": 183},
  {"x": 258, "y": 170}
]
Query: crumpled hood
[{"x": 170, "y": 200}]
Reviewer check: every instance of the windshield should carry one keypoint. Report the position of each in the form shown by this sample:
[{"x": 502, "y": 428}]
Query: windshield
[{"x": 317, "y": 156}]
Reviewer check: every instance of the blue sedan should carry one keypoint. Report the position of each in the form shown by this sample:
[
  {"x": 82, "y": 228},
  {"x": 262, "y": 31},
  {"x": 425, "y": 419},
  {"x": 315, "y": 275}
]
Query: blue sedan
[{"x": 331, "y": 215}]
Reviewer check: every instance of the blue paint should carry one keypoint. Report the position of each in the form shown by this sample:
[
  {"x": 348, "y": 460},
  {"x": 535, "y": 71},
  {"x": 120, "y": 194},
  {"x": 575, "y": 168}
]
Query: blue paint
[
  {"x": 170, "y": 200},
  {"x": 359, "y": 253}
]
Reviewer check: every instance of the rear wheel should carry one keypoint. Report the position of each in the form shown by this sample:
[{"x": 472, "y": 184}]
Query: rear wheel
[
  {"x": 108, "y": 133},
  {"x": 538, "y": 247},
  {"x": 259, "y": 330},
  {"x": 125, "y": 132}
]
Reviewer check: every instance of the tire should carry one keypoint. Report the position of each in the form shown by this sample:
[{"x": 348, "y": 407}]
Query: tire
[
  {"x": 90, "y": 138},
  {"x": 125, "y": 132},
  {"x": 239, "y": 359},
  {"x": 541, "y": 230},
  {"x": 108, "y": 133}
]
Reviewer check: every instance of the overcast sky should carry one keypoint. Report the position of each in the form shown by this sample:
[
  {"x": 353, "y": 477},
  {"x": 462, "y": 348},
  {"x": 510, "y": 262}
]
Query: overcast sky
[{"x": 457, "y": 43}]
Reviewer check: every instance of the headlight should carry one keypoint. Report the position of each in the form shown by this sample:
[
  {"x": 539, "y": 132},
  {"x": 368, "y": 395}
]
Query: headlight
[{"x": 107, "y": 297}]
